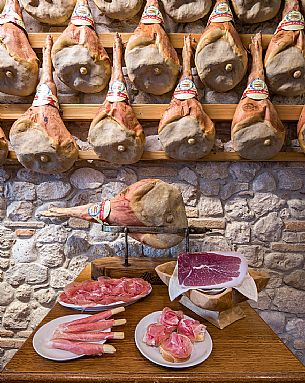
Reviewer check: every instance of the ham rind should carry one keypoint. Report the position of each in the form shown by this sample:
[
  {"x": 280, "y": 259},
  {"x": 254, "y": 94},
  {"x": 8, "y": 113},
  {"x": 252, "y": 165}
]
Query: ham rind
[
  {"x": 94, "y": 336},
  {"x": 81, "y": 348},
  {"x": 191, "y": 328},
  {"x": 210, "y": 270},
  {"x": 178, "y": 346},
  {"x": 170, "y": 317},
  {"x": 156, "y": 333}
]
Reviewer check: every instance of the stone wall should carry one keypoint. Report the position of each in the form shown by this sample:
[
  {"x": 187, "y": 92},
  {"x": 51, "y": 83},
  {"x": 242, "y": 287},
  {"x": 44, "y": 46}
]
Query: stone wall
[{"x": 255, "y": 208}]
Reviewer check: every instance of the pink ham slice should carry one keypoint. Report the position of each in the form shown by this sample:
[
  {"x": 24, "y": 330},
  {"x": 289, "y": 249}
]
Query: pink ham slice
[
  {"x": 191, "y": 328},
  {"x": 95, "y": 326},
  {"x": 210, "y": 270},
  {"x": 177, "y": 348},
  {"x": 156, "y": 333},
  {"x": 81, "y": 348},
  {"x": 93, "y": 336},
  {"x": 170, "y": 317}
]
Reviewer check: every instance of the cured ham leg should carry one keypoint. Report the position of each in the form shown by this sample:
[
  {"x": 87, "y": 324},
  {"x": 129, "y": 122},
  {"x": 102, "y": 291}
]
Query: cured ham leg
[
  {"x": 3, "y": 147},
  {"x": 115, "y": 133},
  {"x": 52, "y": 12},
  {"x": 81, "y": 348},
  {"x": 39, "y": 137},
  {"x": 257, "y": 132},
  {"x": 301, "y": 130},
  {"x": 96, "y": 317},
  {"x": 19, "y": 64},
  {"x": 89, "y": 336},
  {"x": 186, "y": 11},
  {"x": 79, "y": 59},
  {"x": 253, "y": 11},
  {"x": 119, "y": 9},
  {"x": 186, "y": 132},
  {"x": 221, "y": 59},
  {"x": 149, "y": 202},
  {"x": 152, "y": 62},
  {"x": 95, "y": 326},
  {"x": 284, "y": 59}
]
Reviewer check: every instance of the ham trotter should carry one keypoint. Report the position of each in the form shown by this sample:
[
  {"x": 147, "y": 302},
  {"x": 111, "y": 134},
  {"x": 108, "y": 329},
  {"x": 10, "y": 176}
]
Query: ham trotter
[
  {"x": 96, "y": 317},
  {"x": 285, "y": 56},
  {"x": 78, "y": 56},
  {"x": 186, "y": 132},
  {"x": 186, "y": 11},
  {"x": 82, "y": 348},
  {"x": 253, "y": 11},
  {"x": 19, "y": 64},
  {"x": 93, "y": 336},
  {"x": 152, "y": 62},
  {"x": 156, "y": 333},
  {"x": 221, "y": 59},
  {"x": 95, "y": 326},
  {"x": 191, "y": 328},
  {"x": 119, "y": 9},
  {"x": 149, "y": 202},
  {"x": 170, "y": 317},
  {"x": 177, "y": 348},
  {"x": 115, "y": 133},
  {"x": 257, "y": 132},
  {"x": 3, "y": 147}
]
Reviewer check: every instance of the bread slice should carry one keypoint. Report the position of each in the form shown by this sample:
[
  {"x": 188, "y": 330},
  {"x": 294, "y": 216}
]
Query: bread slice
[{"x": 171, "y": 358}]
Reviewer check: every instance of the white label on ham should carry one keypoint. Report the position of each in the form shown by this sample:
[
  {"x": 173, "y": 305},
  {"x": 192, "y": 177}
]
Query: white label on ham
[
  {"x": 185, "y": 90},
  {"x": 44, "y": 96},
  {"x": 117, "y": 92},
  {"x": 293, "y": 21},
  {"x": 82, "y": 16},
  {"x": 256, "y": 90},
  {"x": 152, "y": 15},
  {"x": 221, "y": 13},
  {"x": 9, "y": 16},
  {"x": 100, "y": 211}
]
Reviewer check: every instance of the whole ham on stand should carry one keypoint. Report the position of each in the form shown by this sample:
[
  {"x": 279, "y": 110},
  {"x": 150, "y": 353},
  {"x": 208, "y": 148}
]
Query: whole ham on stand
[
  {"x": 221, "y": 60},
  {"x": 39, "y": 137},
  {"x": 185, "y": 130},
  {"x": 19, "y": 64},
  {"x": 119, "y": 9},
  {"x": 115, "y": 133},
  {"x": 285, "y": 56},
  {"x": 257, "y": 132},
  {"x": 78, "y": 56},
  {"x": 152, "y": 62}
]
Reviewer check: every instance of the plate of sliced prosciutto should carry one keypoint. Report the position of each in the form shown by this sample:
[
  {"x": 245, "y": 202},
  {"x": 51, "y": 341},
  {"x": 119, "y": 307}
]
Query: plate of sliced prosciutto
[
  {"x": 172, "y": 339},
  {"x": 104, "y": 293}
]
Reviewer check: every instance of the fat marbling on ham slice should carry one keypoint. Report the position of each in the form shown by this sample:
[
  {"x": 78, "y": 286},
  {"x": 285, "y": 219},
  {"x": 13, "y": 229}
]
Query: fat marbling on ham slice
[
  {"x": 191, "y": 328},
  {"x": 177, "y": 348},
  {"x": 170, "y": 317},
  {"x": 156, "y": 333},
  {"x": 211, "y": 270}
]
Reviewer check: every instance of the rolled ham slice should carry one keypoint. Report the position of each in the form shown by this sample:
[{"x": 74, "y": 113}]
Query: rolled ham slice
[
  {"x": 253, "y": 11},
  {"x": 78, "y": 56},
  {"x": 115, "y": 133},
  {"x": 119, "y": 9},
  {"x": 186, "y": 11},
  {"x": 170, "y": 317},
  {"x": 220, "y": 58},
  {"x": 149, "y": 202},
  {"x": 3, "y": 147},
  {"x": 177, "y": 348},
  {"x": 82, "y": 348},
  {"x": 257, "y": 132},
  {"x": 156, "y": 333},
  {"x": 285, "y": 56},
  {"x": 186, "y": 132},
  {"x": 152, "y": 62},
  {"x": 39, "y": 137},
  {"x": 94, "y": 326},
  {"x": 19, "y": 64},
  {"x": 52, "y": 12},
  {"x": 90, "y": 336},
  {"x": 96, "y": 317},
  {"x": 191, "y": 328}
]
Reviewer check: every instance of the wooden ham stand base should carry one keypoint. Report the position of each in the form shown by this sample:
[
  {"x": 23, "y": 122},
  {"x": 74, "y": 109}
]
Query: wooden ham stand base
[{"x": 221, "y": 310}]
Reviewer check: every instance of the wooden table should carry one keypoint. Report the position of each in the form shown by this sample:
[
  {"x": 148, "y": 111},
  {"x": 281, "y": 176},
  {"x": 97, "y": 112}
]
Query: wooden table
[{"x": 246, "y": 351}]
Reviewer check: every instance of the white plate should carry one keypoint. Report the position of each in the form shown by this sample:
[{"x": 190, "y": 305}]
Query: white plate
[
  {"x": 102, "y": 307},
  {"x": 45, "y": 333},
  {"x": 201, "y": 351}
]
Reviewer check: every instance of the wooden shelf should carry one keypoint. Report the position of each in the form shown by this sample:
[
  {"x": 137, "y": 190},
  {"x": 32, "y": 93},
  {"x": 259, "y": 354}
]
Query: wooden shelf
[
  {"x": 86, "y": 112},
  {"x": 37, "y": 40}
]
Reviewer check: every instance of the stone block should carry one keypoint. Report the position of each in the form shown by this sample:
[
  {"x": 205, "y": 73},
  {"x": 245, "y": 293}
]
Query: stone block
[
  {"x": 60, "y": 277},
  {"x": 192, "y": 212},
  {"x": 20, "y": 191},
  {"x": 111, "y": 189},
  {"x": 287, "y": 180},
  {"x": 296, "y": 279},
  {"x": 45, "y": 297},
  {"x": 127, "y": 176},
  {"x": 7, "y": 238},
  {"x": 244, "y": 172},
  {"x": 295, "y": 226},
  {"x": 87, "y": 178},
  {"x": 231, "y": 188},
  {"x": 7, "y": 294},
  {"x": 263, "y": 203},
  {"x": 213, "y": 170},
  {"x": 264, "y": 182},
  {"x": 156, "y": 171},
  {"x": 210, "y": 223},
  {"x": 289, "y": 300},
  {"x": 283, "y": 261},
  {"x": 189, "y": 193},
  {"x": 53, "y": 190},
  {"x": 210, "y": 207},
  {"x": 16, "y": 316},
  {"x": 209, "y": 187},
  {"x": 276, "y": 320},
  {"x": 253, "y": 254},
  {"x": 268, "y": 228},
  {"x": 238, "y": 210},
  {"x": 288, "y": 247},
  {"x": 11, "y": 343},
  {"x": 238, "y": 232},
  {"x": 25, "y": 233},
  {"x": 23, "y": 293},
  {"x": 76, "y": 244},
  {"x": 77, "y": 223},
  {"x": 52, "y": 233},
  {"x": 51, "y": 254},
  {"x": 188, "y": 175},
  {"x": 24, "y": 250}
]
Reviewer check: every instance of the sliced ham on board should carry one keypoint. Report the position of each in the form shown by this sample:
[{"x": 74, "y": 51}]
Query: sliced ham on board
[
  {"x": 254, "y": 11},
  {"x": 285, "y": 56},
  {"x": 19, "y": 64},
  {"x": 152, "y": 62},
  {"x": 52, "y": 12},
  {"x": 221, "y": 59},
  {"x": 39, "y": 137},
  {"x": 177, "y": 348},
  {"x": 156, "y": 333},
  {"x": 186, "y": 11},
  {"x": 119, "y": 9},
  {"x": 186, "y": 132},
  {"x": 81, "y": 348},
  {"x": 3, "y": 147},
  {"x": 149, "y": 202},
  {"x": 78, "y": 56},
  {"x": 301, "y": 130},
  {"x": 115, "y": 133},
  {"x": 257, "y": 132},
  {"x": 191, "y": 328}
]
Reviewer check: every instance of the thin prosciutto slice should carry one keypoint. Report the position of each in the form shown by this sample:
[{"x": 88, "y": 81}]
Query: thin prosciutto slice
[
  {"x": 93, "y": 336},
  {"x": 170, "y": 317},
  {"x": 191, "y": 328},
  {"x": 96, "y": 326},
  {"x": 156, "y": 333},
  {"x": 177, "y": 346},
  {"x": 81, "y": 348}
]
